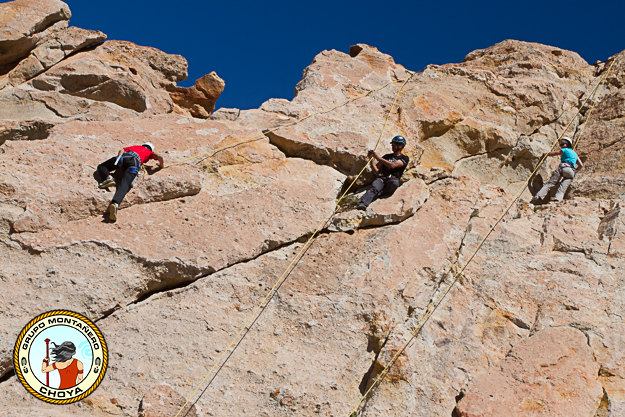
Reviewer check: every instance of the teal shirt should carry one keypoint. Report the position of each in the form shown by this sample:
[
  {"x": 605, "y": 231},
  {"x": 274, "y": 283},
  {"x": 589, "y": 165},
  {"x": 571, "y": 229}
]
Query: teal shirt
[{"x": 568, "y": 155}]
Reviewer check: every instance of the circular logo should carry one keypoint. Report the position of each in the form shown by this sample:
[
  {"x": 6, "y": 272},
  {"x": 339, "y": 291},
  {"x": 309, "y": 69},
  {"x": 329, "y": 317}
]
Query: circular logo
[{"x": 60, "y": 357}]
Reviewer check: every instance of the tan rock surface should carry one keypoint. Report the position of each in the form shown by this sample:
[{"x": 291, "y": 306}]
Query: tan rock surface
[
  {"x": 199, "y": 244},
  {"x": 52, "y": 50},
  {"x": 466, "y": 118},
  {"x": 266, "y": 212},
  {"x": 326, "y": 299},
  {"x": 404, "y": 203},
  {"x": 163, "y": 401},
  {"x": 601, "y": 144},
  {"x": 24, "y": 22},
  {"x": 553, "y": 372},
  {"x": 116, "y": 80}
]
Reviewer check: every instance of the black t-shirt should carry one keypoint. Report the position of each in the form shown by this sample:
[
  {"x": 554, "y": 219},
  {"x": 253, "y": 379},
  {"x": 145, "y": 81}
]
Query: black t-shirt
[{"x": 397, "y": 172}]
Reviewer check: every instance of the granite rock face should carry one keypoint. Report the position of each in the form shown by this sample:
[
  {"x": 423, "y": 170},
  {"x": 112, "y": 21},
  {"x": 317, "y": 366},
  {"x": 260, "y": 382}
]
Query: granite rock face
[{"x": 532, "y": 327}]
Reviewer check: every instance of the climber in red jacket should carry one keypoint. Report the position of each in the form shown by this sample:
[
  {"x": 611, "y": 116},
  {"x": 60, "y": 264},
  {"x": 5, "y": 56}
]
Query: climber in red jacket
[{"x": 128, "y": 160}]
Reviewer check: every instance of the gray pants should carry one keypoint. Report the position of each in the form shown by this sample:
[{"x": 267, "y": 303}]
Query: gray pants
[
  {"x": 564, "y": 173},
  {"x": 382, "y": 186}
]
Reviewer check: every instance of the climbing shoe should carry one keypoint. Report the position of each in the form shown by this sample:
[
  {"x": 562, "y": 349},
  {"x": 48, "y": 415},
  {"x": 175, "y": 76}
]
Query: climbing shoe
[
  {"x": 111, "y": 212},
  {"x": 361, "y": 206},
  {"x": 109, "y": 182},
  {"x": 535, "y": 200}
]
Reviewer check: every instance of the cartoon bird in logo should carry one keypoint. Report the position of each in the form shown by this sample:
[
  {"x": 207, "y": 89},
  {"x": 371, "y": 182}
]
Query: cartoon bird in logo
[{"x": 70, "y": 369}]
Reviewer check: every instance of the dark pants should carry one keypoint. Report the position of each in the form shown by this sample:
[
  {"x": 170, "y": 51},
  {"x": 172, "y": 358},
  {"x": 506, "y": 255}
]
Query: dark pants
[
  {"x": 382, "y": 186},
  {"x": 129, "y": 166}
]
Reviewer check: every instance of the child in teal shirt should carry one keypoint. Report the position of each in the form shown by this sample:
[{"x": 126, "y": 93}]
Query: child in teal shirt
[{"x": 564, "y": 174}]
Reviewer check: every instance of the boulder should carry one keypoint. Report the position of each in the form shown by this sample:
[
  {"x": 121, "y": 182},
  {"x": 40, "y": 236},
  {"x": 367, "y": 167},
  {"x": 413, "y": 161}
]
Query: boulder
[
  {"x": 404, "y": 202},
  {"x": 112, "y": 81},
  {"x": 52, "y": 50},
  {"x": 199, "y": 100},
  {"x": 23, "y": 23}
]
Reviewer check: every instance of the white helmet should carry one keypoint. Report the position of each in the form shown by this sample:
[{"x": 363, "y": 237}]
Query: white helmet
[
  {"x": 149, "y": 145},
  {"x": 568, "y": 140}
]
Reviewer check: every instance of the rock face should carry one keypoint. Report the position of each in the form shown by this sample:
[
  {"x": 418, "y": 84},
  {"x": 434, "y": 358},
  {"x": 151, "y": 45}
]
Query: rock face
[
  {"x": 532, "y": 327},
  {"x": 535, "y": 377},
  {"x": 601, "y": 142},
  {"x": 51, "y": 50},
  {"x": 163, "y": 401},
  {"x": 25, "y": 22},
  {"x": 46, "y": 76}
]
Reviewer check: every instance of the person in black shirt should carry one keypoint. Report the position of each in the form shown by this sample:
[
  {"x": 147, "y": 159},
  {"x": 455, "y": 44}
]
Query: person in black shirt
[{"x": 388, "y": 170}]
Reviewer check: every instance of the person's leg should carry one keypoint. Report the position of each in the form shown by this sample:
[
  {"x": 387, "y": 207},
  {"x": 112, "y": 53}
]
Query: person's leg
[
  {"x": 555, "y": 177},
  {"x": 130, "y": 174},
  {"x": 567, "y": 178},
  {"x": 372, "y": 193},
  {"x": 105, "y": 168},
  {"x": 390, "y": 185}
]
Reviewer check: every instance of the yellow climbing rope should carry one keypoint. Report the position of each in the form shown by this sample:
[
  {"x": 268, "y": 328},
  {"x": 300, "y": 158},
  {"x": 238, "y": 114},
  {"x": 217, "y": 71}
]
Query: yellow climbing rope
[
  {"x": 237, "y": 339},
  {"x": 434, "y": 305}
]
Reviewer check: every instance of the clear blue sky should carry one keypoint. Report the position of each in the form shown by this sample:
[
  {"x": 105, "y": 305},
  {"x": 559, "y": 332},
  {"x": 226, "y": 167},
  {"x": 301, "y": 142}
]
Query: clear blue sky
[{"x": 261, "y": 47}]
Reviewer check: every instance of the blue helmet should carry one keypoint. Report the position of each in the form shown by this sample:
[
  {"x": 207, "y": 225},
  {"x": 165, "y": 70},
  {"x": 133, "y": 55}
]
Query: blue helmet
[{"x": 399, "y": 139}]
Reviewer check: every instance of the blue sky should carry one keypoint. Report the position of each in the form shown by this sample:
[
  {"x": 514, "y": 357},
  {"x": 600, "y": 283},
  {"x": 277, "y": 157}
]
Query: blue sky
[{"x": 260, "y": 48}]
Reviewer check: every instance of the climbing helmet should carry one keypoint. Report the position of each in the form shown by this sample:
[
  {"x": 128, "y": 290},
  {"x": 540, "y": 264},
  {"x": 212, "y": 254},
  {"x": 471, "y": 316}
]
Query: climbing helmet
[
  {"x": 566, "y": 140},
  {"x": 149, "y": 145},
  {"x": 399, "y": 139}
]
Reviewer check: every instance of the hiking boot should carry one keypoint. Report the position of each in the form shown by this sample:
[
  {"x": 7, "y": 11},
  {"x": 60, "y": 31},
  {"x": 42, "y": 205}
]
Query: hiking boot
[
  {"x": 109, "y": 182},
  {"x": 111, "y": 212}
]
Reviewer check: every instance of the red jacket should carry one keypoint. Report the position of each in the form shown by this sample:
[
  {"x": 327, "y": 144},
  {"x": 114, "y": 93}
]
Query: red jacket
[{"x": 144, "y": 153}]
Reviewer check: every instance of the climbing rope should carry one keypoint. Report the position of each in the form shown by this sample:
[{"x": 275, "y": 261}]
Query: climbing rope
[
  {"x": 432, "y": 307},
  {"x": 209, "y": 154},
  {"x": 238, "y": 338}
]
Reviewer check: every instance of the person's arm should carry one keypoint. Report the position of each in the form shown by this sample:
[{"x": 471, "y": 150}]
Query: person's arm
[
  {"x": 80, "y": 372},
  {"x": 45, "y": 366},
  {"x": 374, "y": 165},
  {"x": 161, "y": 162},
  {"x": 554, "y": 153},
  {"x": 580, "y": 164},
  {"x": 389, "y": 164}
]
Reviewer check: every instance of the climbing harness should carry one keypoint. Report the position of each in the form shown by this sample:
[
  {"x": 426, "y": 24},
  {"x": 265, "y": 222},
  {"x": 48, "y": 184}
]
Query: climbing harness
[
  {"x": 260, "y": 308},
  {"x": 432, "y": 307}
]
